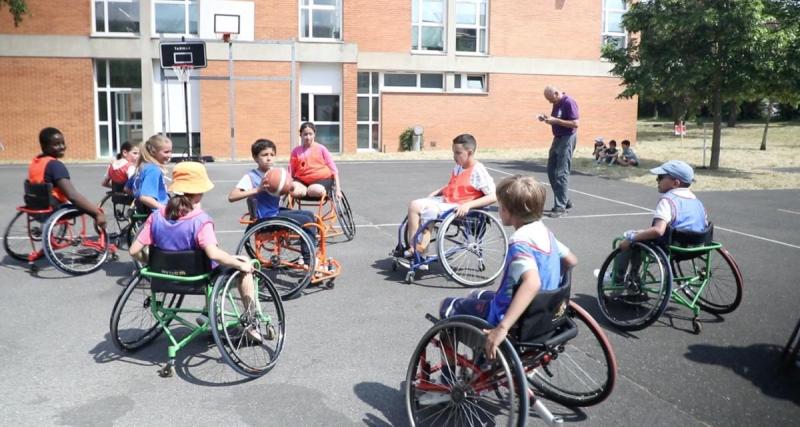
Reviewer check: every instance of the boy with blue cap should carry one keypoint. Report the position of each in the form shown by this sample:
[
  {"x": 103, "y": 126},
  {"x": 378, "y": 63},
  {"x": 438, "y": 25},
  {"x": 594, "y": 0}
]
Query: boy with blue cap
[{"x": 678, "y": 208}]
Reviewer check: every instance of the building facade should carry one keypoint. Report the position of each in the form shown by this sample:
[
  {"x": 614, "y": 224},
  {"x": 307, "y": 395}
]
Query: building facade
[{"x": 363, "y": 70}]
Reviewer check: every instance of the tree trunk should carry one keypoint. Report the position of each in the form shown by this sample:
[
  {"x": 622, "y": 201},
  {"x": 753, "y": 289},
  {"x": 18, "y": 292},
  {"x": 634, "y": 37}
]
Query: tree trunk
[
  {"x": 716, "y": 138},
  {"x": 766, "y": 128},
  {"x": 655, "y": 110},
  {"x": 733, "y": 113}
]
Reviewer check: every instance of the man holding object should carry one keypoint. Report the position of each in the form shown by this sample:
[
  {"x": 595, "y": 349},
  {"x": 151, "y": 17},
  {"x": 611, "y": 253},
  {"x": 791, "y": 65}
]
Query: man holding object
[{"x": 564, "y": 121}]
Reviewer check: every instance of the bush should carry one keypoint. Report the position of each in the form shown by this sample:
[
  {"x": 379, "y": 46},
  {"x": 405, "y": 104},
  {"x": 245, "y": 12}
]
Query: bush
[{"x": 407, "y": 140}]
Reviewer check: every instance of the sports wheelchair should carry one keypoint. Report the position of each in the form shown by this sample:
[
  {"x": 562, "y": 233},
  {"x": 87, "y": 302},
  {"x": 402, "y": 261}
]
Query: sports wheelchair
[
  {"x": 153, "y": 300},
  {"x": 128, "y": 217},
  {"x": 64, "y": 235},
  {"x": 556, "y": 350},
  {"x": 471, "y": 249},
  {"x": 287, "y": 253},
  {"x": 332, "y": 211},
  {"x": 789, "y": 358},
  {"x": 690, "y": 269}
]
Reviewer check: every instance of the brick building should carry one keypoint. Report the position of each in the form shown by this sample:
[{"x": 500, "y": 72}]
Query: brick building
[{"x": 362, "y": 70}]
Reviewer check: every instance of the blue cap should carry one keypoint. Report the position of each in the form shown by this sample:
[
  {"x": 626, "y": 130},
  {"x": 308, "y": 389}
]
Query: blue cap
[{"x": 676, "y": 169}]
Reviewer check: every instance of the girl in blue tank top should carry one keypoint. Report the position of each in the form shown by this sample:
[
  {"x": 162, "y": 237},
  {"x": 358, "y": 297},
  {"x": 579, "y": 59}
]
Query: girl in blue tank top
[{"x": 183, "y": 225}]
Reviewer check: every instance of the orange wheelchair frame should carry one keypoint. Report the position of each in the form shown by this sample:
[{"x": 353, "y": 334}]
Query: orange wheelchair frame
[{"x": 329, "y": 211}]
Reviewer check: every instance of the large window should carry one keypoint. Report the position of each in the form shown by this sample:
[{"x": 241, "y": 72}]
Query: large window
[
  {"x": 427, "y": 25},
  {"x": 176, "y": 16},
  {"x": 320, "y": 19},
  {"x": 323, "y": 111},
  {"x": 368, "y": 111},
  {"x": 116, "y": 16},
  {"x": 613, "y": 32},
  {"x": 118, "y": 86},
  {"x": 471, "y": 26}
]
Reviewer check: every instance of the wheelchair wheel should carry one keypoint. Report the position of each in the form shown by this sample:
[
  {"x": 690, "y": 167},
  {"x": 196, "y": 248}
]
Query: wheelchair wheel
[
  {"x": 132, "y": 323},
  {"x": 232, "y": 323},
  {"x": 72, "y": 244},
  {"x": 118, "y": 227},
  {"x": 22, "y": 236},
  {"x": 472, "y": 249},
  {"x": 345, "y": 216},
  {"x": 790, "y": 351},
  {"x": 281, "y": 246},
  {"x": 464, "y": 388},
  {"x": 723, "y": 293},
  {"x": 582, "y": 371},
  {"x": 641, "y": 296}
]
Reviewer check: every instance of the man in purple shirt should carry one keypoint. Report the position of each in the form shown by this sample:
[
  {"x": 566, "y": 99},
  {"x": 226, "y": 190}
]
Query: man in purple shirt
[{"x": 564, "y": 121}]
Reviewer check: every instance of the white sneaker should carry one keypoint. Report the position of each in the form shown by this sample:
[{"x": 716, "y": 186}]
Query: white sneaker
[
  {"x": 405, "y": 262},
  {"x": 606, "y": 279},
  {"x": 423, "y": 267},
  {"x": 430, "y": 398}
]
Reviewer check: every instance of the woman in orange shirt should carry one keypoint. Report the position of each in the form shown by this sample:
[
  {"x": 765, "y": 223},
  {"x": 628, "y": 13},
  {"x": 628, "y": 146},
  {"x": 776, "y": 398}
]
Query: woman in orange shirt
[{"x": 312, "y": 167}]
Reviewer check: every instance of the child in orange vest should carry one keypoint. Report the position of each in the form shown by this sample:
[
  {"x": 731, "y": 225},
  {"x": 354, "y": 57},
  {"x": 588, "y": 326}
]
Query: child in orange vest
[
  {"x": 123, "y": 167},
  {"x": 312, "y": 167},
  {"x": 47, "y": 168},
  {"x": 470, "y": 186}
]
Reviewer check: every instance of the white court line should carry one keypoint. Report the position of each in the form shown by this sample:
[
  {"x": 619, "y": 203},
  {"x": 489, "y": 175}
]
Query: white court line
[
  {"x": 788, "y": 211},
  {"x": 777, "y": 242}
]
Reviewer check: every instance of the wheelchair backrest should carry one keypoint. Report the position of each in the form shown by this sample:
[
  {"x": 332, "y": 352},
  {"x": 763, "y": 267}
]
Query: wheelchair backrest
[
  {"x": 119, "y": 196},
  {"x": 546, "y": 312},
  {"x": 688, "y": 238},
  {"x": 39, "y": 196},
  {"x": 182, "y": 264}
]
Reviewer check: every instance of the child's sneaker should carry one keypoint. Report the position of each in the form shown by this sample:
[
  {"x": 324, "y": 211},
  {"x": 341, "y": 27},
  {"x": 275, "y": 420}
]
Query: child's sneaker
[
  {"x": 606, "y": 278},
  {"x": 430, "y": 398}
]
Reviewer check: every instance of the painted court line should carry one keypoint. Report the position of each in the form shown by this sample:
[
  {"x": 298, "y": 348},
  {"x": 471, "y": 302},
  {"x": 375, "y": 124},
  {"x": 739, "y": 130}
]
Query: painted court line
[
  {"x": 777, "y": 242},
  {"x": 788, "y": 211}
]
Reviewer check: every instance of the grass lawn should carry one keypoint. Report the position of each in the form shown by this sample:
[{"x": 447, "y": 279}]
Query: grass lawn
[{"x": 742, "y": 164}]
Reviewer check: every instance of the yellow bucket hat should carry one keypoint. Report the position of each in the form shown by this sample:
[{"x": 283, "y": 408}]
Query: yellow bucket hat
[{"x": 190, "y": 178}]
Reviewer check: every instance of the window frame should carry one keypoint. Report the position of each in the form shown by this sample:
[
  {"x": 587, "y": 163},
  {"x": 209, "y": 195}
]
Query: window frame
[
  {"x": 418, "y": 86},
  {"x": 187, "y": 22},
  {"x": 604, "y": 33},
  {"x": 111, "y": 119},
  {"x": 462, "y": 79},
  {"x": 477, "y": 27},
  {"x": 311, "y": 7},
  {"x": 419, "y": 24},
  {"x": 372, "y": 94},
  {"x": 107, "y": 33},
  {"x": 311, "y": 117}
]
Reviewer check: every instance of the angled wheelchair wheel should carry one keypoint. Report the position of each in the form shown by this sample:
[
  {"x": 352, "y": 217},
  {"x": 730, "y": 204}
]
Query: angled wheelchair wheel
[
  {"x": 345, "y": 216},
  {"x": 723, "y": 293},
  {"x": 633, "y": 298},
  {"x": 22, "y": 236},
  {"x": 580, "y": 372},
  {"x": 472, "y": 249},
  {"x": 72, "y": 244},
  {"x": 286, "y": 253},
  {"x": 118, "y": 225},
  {"x": 450, "y": 382},
  {"x": 235, "y": 325},
  {"x": 132, "y": 323}
]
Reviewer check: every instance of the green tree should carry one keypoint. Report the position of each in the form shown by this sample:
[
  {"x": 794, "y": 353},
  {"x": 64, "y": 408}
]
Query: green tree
[
  {"x": 696, "y": 52},
  {"x": 18, "y": 9}
]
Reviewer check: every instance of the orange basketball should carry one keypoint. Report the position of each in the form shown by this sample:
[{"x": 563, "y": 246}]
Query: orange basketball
[{"x": 277, "y": 182}]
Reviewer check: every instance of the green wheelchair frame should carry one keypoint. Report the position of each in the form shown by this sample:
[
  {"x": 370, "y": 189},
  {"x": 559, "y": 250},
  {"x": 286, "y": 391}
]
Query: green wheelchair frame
[
  {"x": 141, "y": 314},
  {"x": 686, "y": 274}
]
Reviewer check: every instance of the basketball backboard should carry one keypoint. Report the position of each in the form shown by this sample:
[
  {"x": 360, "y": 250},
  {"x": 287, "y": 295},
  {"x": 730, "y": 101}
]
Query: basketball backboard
[
  {"x": 183, "y": 53},
  {"x": 220, "y": 17}
]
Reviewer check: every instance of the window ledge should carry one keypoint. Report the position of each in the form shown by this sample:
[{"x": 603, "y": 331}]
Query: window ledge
[
  {"x": 316, "y": 40},
  {"x": 115, "y": 35},
  {"x": 428, "y": 52},
  {"x": 473, "y": 54}
]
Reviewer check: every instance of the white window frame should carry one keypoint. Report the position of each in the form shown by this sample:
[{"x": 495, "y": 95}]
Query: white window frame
[
  {"x": 310, "y": 6},
  {"x": 416, "y": 88},
  {"x": 373, "y": 93},
  {"x": 187, "y": 24},
  {"x": 462, "y": 79},
  {"x": 477, "y": 27},
  {"x": 605, "y": 33},
  {"x": 417, "y": 25},
  {"x": 107, "y": 33},
  {"x": 311, "y": 118},
  {"x": 109, "y": 91}
]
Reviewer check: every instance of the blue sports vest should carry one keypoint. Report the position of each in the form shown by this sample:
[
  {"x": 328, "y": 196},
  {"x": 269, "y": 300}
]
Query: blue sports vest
[
  {"x": 548, "y": 263},
  {"x": 266, "y": 205},
  {"x": 687, "y": 214},
  {"x": 179, "y": 235}
]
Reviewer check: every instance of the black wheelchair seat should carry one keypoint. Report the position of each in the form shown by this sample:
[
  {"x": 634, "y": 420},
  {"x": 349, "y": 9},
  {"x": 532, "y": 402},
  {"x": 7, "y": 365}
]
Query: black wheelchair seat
[
  {"x": 687, "y": 239},
  {"x": 179, "y": 263},
  {"x": 119, "y": 196}
]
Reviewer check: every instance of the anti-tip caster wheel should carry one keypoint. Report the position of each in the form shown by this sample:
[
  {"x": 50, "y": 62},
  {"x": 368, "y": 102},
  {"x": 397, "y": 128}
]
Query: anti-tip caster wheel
[
  {"x": 410, "y": 277},
  {"x": 696, "y": 327},
  {"x": 329, "y": 284},
  {"x": 168, "y": 371}
]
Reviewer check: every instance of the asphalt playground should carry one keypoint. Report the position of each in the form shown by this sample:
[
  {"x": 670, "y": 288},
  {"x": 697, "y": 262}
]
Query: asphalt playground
[{"x": 347, "y": 349}]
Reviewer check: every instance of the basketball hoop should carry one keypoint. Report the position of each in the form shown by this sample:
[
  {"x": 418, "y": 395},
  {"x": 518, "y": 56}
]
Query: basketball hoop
[
  {"x": 182, "y": 72},
  {"x": 226, "y": 37}
]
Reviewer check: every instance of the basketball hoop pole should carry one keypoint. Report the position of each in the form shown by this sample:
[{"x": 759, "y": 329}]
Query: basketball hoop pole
[{"x": 186, "y": 107}]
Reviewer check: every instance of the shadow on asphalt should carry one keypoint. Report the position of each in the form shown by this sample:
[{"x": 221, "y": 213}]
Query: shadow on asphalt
[
  {"x": 388, "y": 401},
  {"x": 757, "y": 363}
]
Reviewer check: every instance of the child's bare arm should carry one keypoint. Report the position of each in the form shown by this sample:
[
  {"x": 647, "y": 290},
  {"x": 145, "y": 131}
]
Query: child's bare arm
[
  {"x": 655, "y": 231},
  {"x": 238, "y": 194},
  {"x": 486, "y": 200},
  {"x": 522, "y": 299},
  {"x": 569, "y": 261},
  {"x": 240, "y": 263},
  {"x": 80, "y": 201},
  {"x": 437, "y": 192}
]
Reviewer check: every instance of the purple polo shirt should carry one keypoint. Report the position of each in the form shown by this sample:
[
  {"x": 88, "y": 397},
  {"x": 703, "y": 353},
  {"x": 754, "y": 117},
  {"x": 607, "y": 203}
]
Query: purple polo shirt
[{"x": 565, "y": 109}]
